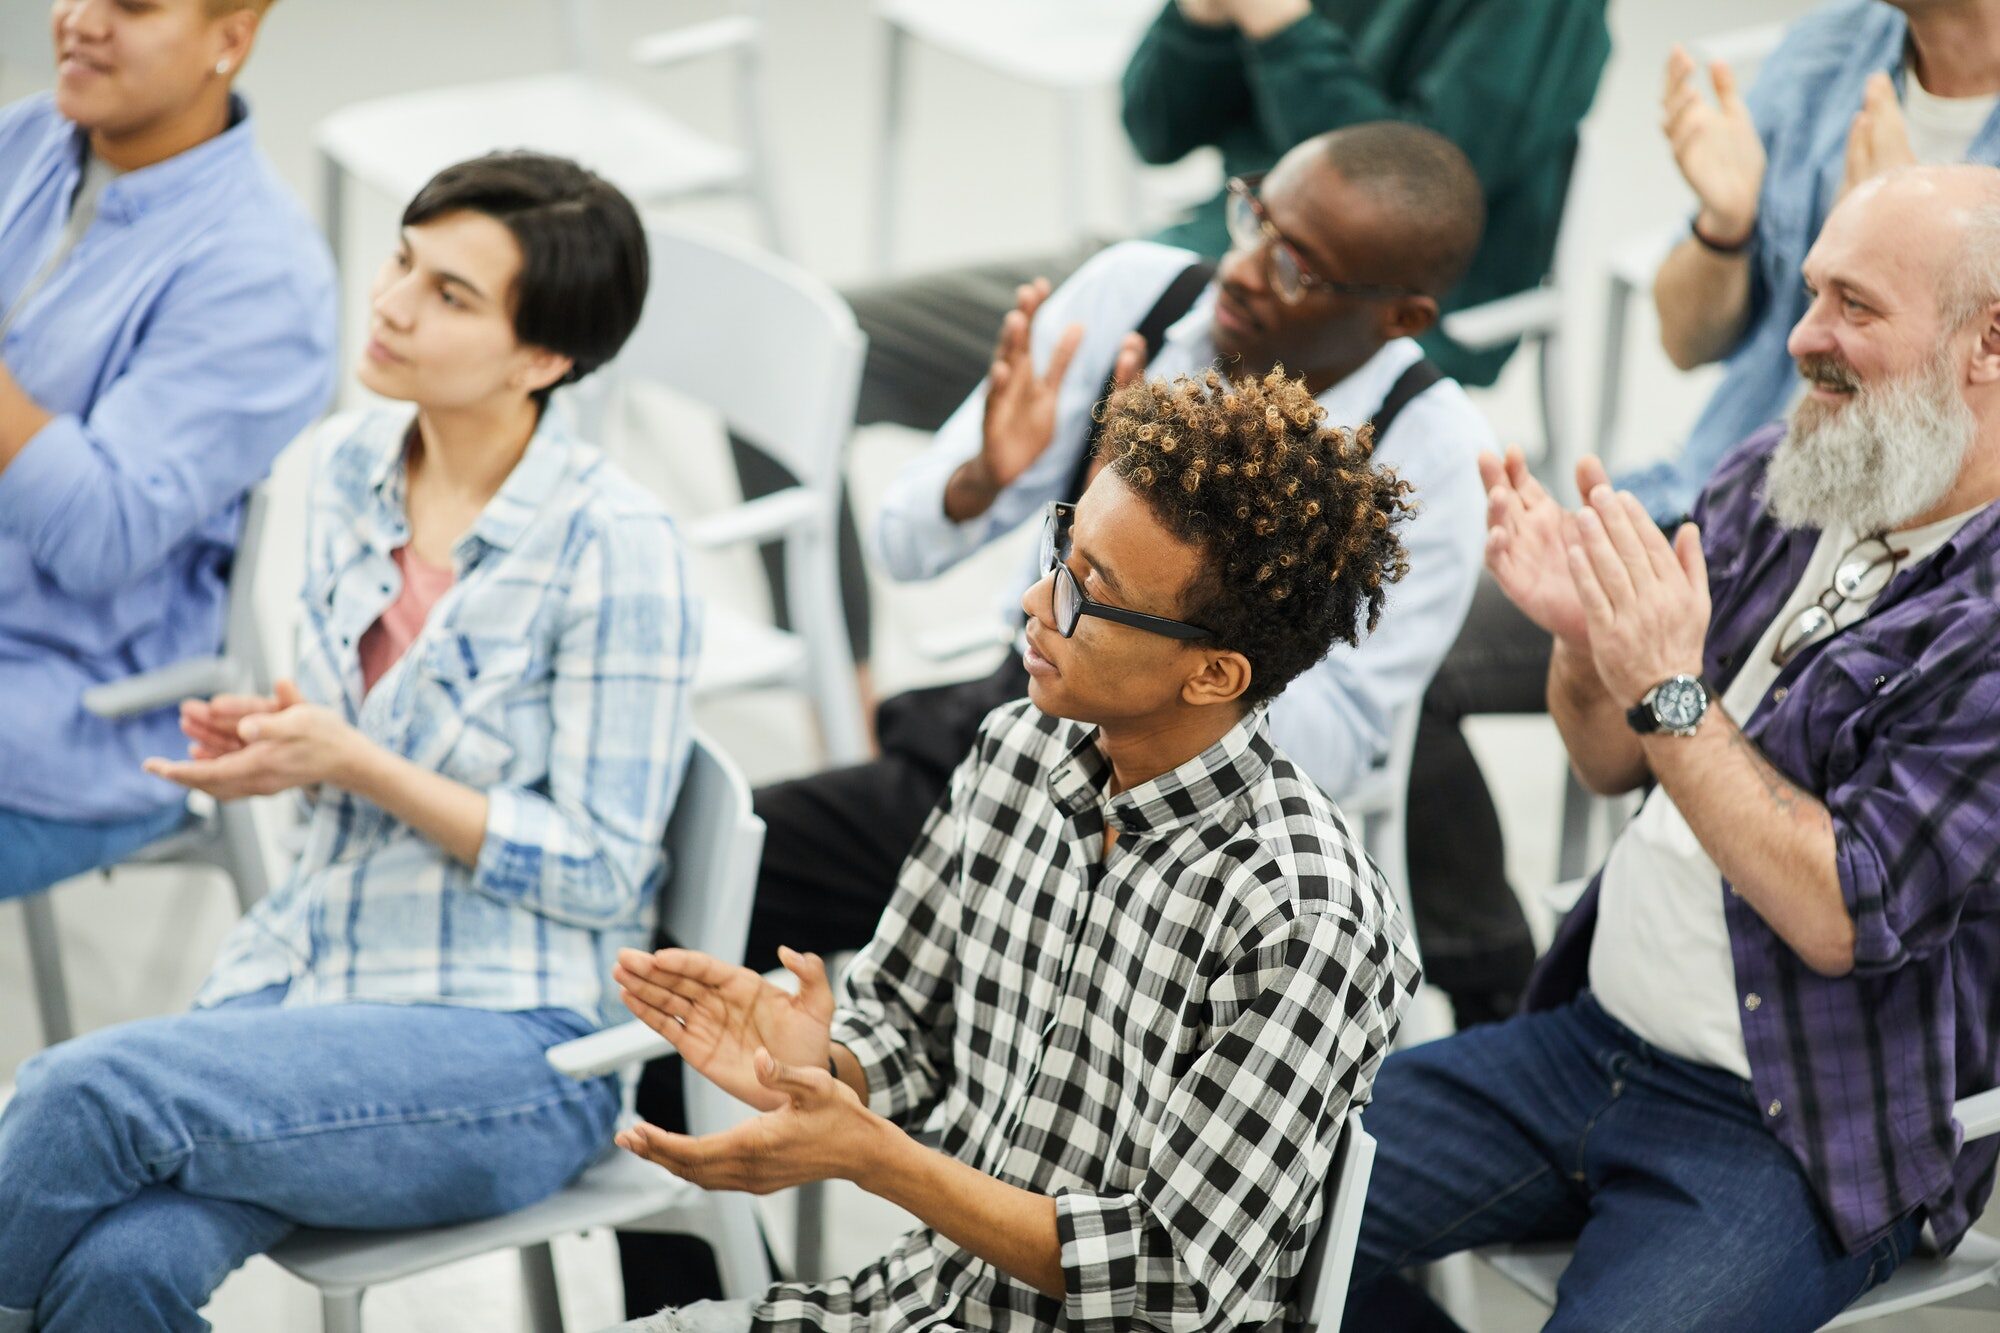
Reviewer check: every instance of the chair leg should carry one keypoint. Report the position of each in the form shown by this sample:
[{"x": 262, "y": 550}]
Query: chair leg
[
  {"x": 809, "y": 1244},
  {"x": 740, "y": 1256},
  {"x": 538, "y": 1278},
  {"x": 243, "y": 849},
  {"x": 340, "y": 1312},
  {"x": 893, "y": 74},
  {"x": 757, "y": 143},
  {"x": 45, "y": 964}
]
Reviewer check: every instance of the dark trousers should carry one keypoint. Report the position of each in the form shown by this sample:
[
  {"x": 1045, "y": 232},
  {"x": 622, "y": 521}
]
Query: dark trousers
[
  {"x": 833, "y": 845},
  {"x": 1475, "y": 941}
]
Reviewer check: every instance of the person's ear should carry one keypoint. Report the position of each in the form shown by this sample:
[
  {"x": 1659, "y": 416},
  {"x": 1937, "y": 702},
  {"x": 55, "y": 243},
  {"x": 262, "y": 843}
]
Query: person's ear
[
  {"x": 235, "y": 31},
  {"x": 1220, "y": 676},
  {"x": 1407, "y": 317},
  {"x": 542, "y": 369},
  {"x": 1985, "y": 367}
]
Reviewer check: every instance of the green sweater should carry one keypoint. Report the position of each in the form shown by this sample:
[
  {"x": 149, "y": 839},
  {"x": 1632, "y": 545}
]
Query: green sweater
[{"x": 1506, "y": 80}]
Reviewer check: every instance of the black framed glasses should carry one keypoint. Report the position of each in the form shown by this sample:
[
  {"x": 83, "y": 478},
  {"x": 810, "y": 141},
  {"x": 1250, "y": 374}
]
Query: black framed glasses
[
  {"x": 1070, "y": 603},
  {"x": 1860, "y": 576},
  {"x": 1250, "y": 227}
]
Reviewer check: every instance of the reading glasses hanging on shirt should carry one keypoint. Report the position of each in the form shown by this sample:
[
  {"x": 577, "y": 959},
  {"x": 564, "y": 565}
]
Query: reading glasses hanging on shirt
[{"x": 1862, "y": 573}]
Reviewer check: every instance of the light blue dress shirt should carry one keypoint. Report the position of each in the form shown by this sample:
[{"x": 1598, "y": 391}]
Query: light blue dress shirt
[
  {"x": 182, "y": 344},
  {"x": 1803, "y": 102},
  {"x": 553, "y": 676},
  {"x": 1335, "y": 719}
]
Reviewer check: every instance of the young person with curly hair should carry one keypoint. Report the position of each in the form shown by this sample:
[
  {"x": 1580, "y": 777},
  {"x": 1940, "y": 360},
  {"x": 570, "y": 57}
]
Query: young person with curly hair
[{"x": 1138, "y": 968}]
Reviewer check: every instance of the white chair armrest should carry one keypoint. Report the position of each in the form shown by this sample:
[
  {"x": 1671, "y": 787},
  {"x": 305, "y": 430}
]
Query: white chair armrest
[
  {"x": 947, "y": 644},
  {"x": 196, "y": 678},
  {"x": 1497, "y": 323},
  {"x": 1979, "y": 1114},
  {"x": 679, "y": 45},
  {"x": 761, "y": 519},
  {"x": 608, "y": 1050}
]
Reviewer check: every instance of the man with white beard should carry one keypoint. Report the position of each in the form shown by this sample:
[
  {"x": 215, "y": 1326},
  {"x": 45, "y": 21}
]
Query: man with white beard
[{"x": 1733, "y": 1087}]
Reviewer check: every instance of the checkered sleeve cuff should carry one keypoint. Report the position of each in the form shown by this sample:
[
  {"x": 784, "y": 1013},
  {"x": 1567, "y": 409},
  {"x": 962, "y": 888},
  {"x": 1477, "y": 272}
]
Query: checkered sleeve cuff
[{"x": 1100, "y": 1258}]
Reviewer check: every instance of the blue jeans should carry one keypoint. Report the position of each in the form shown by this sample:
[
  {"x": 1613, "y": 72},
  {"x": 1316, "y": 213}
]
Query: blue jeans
[
  {"x": 1685, "y": 1211},
  {"x": 139, "y": 1165},
  {"x": 37, "y": 852}
]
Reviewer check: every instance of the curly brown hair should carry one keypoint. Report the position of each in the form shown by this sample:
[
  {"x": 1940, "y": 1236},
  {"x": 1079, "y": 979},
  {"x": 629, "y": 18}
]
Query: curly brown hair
[{"x": 1296, "y": 523}]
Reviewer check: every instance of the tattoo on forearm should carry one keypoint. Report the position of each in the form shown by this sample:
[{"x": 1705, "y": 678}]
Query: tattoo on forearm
[{"x": 1786, "y": 795}]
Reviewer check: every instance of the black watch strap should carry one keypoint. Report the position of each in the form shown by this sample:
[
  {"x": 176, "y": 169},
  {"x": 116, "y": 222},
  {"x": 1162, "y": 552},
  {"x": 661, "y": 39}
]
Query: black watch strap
[{"x": 1641, "y": 718}]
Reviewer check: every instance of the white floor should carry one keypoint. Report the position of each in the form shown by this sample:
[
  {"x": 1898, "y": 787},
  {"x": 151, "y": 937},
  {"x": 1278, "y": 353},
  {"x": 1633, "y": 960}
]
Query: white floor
[{"x": 980, "y": 180}]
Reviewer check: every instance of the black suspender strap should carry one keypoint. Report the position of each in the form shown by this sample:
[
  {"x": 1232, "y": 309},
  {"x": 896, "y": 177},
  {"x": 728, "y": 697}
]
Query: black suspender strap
[
  {"x": 1175, "y": 301},
  {"x": 1413, "y": 381}
]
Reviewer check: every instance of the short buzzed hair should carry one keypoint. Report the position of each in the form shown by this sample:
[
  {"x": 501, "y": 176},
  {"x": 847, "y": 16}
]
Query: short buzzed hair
[
  {"x": 1430, "y": 186},
  {"x": 217, "y": 8}
]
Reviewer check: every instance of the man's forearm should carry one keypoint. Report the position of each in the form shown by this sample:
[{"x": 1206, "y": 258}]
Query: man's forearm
[
  {"x": 1602, "y": 746},
  {"x": 21, "y": 418},
  {"x": 1011, "y": 1228},
  {"x": 1772, "y": 840},
  {"x": 1703, "y": 299}
]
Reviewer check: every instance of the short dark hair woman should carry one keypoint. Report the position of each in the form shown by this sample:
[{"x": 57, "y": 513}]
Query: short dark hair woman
[{"x": 489, "y": 725}]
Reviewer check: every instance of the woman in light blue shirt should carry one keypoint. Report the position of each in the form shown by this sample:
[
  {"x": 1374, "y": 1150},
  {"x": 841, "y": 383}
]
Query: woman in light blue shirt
[{"x": 489, "y": 726}]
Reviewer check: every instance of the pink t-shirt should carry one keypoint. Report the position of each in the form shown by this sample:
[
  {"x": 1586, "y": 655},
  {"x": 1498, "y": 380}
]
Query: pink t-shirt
[{"x": 389, "y": 636}]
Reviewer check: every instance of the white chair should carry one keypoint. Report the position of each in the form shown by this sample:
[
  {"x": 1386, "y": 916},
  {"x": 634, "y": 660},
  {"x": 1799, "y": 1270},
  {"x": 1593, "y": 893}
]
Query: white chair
[
  {"x": 714, "y": 841},
  {"x": 1967, "y": 1279},
  {"x": 777, "y": 355},
  {"x": 1076, "y": 48},
  {"x": 394, "y": 144},
  {"x": 222, "y": 835},
  {"x": 1321, "y": 1296}
]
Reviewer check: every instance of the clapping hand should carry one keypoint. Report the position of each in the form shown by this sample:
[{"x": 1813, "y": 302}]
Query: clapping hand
[
  {"x": 1645, "y": 600},
  {"x": 816, "y": 1130},
  {"x": 1879, "y": 138},
  {"x": 1716, "y": 147},
  {"x": 1527, "y": 543},
  {"x": 720, "y": 1016},
  {"x": 247, "y": 746}
]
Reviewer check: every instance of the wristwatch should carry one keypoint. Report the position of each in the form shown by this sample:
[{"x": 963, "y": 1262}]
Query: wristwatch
[{"x": 1674, "y": 707}]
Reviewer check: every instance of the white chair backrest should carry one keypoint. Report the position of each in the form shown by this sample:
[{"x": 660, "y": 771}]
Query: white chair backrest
[
  {"x": 766, "y": 345},
  {"x": 242, "y": 630},
  {"x": 714, "y": 841},
  {"x": 1322, "y": 1291}
]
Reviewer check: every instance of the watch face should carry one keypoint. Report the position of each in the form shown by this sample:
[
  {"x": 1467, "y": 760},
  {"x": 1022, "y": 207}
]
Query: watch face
[{"x": 1680, "y": 703}]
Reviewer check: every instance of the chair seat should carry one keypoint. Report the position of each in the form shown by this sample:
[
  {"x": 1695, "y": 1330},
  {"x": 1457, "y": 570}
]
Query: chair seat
[
  {"x": 1922, "y": 1280},
  {"x": 739, "y": 654},
  {"x": 397, "y": 143},
  {"x": 1052, "y": 43},
  {"x": 618, "y": 1190}
]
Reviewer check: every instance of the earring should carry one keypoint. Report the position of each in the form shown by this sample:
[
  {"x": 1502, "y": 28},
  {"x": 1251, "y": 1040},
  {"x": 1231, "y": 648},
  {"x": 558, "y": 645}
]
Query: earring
[{"x": 222, "y": 67}]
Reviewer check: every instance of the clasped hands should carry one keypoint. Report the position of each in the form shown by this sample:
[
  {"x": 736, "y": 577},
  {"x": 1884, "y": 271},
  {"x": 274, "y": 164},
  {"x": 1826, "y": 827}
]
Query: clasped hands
[
  {"x": 1602, "y": 579},
  {"x": 764, "y": 1046},
  {"x": 257, "y": 745}
]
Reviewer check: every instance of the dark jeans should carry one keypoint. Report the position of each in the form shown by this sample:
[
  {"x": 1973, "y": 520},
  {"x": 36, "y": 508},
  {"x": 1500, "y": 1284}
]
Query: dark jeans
[
  {"x": 833, "y": 845},
  {"x": 1475, "y": 941},
  {"x": 1686, "y": 1212}
]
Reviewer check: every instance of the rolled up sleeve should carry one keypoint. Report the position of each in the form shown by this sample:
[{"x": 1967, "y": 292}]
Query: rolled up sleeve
[
  {"x": 1231, "y": 1196},
  {"x": 236, "y": 360},
  {"x": 583, "y": 846}
]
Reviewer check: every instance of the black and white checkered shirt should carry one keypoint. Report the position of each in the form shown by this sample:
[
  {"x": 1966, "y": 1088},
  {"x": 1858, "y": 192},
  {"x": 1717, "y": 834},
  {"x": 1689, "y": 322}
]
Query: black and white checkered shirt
[{"x": 1166, "y": 1042}]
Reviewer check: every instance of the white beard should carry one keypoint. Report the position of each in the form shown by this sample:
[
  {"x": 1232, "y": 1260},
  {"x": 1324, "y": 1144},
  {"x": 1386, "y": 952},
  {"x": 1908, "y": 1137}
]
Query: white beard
[{"x": 1886, "y": 456}]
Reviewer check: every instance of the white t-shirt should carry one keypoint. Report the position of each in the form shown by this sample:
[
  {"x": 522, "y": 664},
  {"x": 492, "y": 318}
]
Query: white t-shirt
[
  {"x": 1660, "y": 960},
  {"x": 1942, "y": 128}
]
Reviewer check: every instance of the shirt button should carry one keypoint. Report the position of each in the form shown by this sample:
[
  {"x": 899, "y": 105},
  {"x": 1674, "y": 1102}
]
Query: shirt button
[
  {"x": 1775, "y": 1109},
  {"x": 1752, "y": 1000},
  {"x": 1778, "y": 695}
]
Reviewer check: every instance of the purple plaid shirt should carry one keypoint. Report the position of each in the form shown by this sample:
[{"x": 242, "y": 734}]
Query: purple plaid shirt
[{"x": 1894, "y": 722}]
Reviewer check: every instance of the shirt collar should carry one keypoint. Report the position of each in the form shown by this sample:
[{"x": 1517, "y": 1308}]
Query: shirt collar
[
  {"x": 507, "y": 515},
  {"x": 1179, "y": 797},
  {"x": 188, "y": 175}
]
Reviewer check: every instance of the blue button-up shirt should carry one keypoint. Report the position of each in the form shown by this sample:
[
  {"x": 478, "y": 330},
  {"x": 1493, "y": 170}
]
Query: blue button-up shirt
[
  {"x": 553, "y": 676},
  {"x": 1892, "y": 723},
  {"x": 182, "y": 344},
  {"x": 1803, "y": 102}
]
